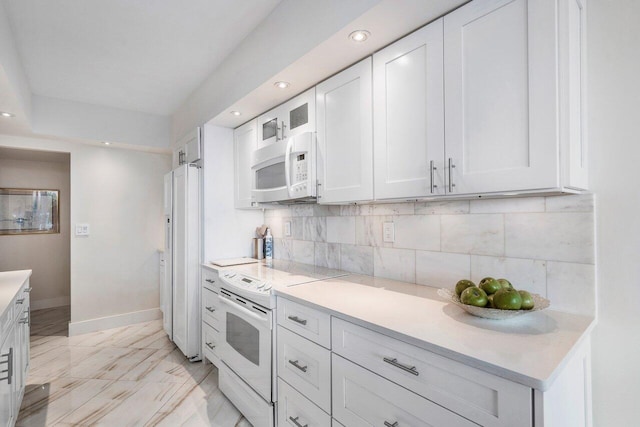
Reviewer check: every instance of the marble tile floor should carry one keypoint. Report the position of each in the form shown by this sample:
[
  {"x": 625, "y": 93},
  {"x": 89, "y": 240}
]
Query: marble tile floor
[{"x": 128, "y": 376}]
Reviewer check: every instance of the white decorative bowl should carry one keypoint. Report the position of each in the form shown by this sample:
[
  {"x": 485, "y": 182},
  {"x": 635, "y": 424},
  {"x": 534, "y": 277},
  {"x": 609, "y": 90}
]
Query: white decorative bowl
[{"x": 539, "y": 303}]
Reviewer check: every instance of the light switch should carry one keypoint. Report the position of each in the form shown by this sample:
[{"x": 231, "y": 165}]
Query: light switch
[
  {"x": 82, "y": 229},
  {"x": 388, "y": 232},
  {"x": 287, "y": 229}
]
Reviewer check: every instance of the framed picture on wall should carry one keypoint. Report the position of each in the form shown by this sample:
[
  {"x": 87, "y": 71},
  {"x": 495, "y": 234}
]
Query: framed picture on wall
[{"x": 29, "y": 211}]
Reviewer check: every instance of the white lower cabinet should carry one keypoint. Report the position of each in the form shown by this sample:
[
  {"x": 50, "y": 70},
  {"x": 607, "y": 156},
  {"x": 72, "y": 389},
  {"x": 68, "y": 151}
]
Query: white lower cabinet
[
  {"x": 295, "y": 410},
  {"x": 362, "y": 398},
  {"x": 211, "y": 338}
]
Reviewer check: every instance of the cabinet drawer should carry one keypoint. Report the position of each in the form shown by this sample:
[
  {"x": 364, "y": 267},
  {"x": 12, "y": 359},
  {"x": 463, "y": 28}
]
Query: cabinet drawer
[
  {"x": 362, "y": 398},
  {"x": 308, "y": 322},
  {"x": 474, "y": 394},
  {"x": 295, "y": 410},
  {"x": 211, "y": 341},
  {"x": 210, "y": 279},
  {"x": 210, "y": 308},
  {"x": 306, "y": 366}
]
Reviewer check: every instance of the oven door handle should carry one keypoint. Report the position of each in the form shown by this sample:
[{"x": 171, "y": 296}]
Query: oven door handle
[
  {"x": 249, "y": 313},
  {"x": 287, "y": 165}
]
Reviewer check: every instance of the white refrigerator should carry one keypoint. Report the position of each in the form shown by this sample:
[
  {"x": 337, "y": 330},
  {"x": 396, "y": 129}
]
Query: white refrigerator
[{"x": 180, "y": 296}]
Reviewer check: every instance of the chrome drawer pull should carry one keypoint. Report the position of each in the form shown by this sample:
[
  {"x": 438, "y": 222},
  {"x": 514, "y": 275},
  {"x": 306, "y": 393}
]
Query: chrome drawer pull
[
  {"x": 298, "y": 320},
  {"x": 9, "y": 362},
  {"x": 394, "y": 362},
  {"x": 210, "y": 345},
  {"x": 388, "y": 424},
  {"x": 25, "y": 320},
  {"x": 295, "y": 363},
  {"x": 211, "y": 309},
  {"x": 295, "y": 421},
  {"x": 20, "y": 301},
  {"x": 28, "y": 289},
  {"x": 210, "y": 280}
]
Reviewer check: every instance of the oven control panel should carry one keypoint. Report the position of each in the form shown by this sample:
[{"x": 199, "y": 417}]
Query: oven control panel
[{"x": 240, "y": 281}]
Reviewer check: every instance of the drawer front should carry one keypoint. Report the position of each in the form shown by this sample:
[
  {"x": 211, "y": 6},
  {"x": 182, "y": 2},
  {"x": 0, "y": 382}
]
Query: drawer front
[
  {"x": 295, "y": 410},
  {"x": 210, "y": 280},
  {"x": 210, "y": 344},
  {"x": 210, "y": 308},
  {"x": 362, "y": 398},
  {"x": 308, "y": 322},
  {"x": 306, "y": 366},
  {"x": 484, "y": 398}
]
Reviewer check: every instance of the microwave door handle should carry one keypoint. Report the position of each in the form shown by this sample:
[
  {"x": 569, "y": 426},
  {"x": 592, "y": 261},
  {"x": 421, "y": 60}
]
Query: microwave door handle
[{"x": 287, "y": 165}]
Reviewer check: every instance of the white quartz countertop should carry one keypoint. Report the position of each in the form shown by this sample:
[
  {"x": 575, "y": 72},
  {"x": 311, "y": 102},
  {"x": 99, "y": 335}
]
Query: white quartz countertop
[
  {"x": 10, "y": 283},
  {"x": 530, "y": 349}
]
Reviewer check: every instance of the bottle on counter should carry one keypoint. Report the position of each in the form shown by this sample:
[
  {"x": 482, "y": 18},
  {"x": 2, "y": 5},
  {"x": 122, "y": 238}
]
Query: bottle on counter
[{"x": 268, "y": 245}]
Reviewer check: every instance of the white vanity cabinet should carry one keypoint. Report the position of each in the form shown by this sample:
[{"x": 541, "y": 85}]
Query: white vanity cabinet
[
  {"x": 245, "y": 142},
  {"x": 508, "y": 93},
  {"x": 14, "y": 346},
  {"x": 210, "y": 316},
  {"x": 408, "y": 115},
  {"x": 345, "y": 135},
  {"x": 291, "y": 118}
]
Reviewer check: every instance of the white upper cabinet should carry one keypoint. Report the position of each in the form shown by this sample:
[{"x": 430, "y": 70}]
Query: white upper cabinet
[
  {"x": 345, "y": 136},
  {"x": 189, "y": 149},
  {"x": 408, "y": 115},
  {"x": 245, "y": 140},
  {"x": 295, "y": 116},
  {"x": 501, "y": 97}
]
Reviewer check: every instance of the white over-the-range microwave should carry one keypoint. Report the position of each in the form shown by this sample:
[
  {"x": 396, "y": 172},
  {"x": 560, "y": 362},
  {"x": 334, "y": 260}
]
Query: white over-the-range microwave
[{"x": 285, "y": 171}]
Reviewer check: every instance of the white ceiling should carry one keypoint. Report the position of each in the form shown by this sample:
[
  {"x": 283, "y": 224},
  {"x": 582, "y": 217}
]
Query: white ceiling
[{"x": 141, "y": 55}]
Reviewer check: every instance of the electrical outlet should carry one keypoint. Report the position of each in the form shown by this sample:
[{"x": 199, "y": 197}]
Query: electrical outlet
[
  {"x": 287, "y": 229},
  {"x": 82, "y": 229},
  {"x": 388, "y": 232}
]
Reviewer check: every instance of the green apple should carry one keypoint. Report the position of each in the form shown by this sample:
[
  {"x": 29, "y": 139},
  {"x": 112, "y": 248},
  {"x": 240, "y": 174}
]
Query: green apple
[
  {"x": 474, "y": 296},
  {"x": 490, "y": 285},
  {"x": 462, "y": 285},
  {"x": 527, "y": 300},
  {"x": 507, "y": 299},
  {"x": 504, "y": 283}
]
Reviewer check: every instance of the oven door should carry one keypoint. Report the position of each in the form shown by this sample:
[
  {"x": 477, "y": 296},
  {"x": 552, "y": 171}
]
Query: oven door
[{"x": 247, "y": 341}]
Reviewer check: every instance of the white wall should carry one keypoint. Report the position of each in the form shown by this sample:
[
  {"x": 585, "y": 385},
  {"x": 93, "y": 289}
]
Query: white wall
[
  {"x": 119, "y": 193},
  {"x": 48, "y": 255},
  {"x": 228, "y": 232},
  {"x": 614, "y": 93}
]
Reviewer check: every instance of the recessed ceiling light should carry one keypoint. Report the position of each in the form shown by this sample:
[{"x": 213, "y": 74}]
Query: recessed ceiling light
[
  {"x": 3, "y": 114},
  {"x": 359, "y": 36},
  {"x": 106, "y": 142},
  {"x": 236, "y": 113},
  {"x": 281, "y": 85}
]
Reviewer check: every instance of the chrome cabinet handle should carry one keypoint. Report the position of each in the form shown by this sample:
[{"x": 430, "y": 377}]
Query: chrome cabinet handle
[
  {"x": 295, "y": 363},
  {"x": 283, "y": 128},
  {"x": 394, "y": 362},
  {"x": 451, "y": 184},
  {"x": 297, "y": 320},
  {"x": 9, "y": 362},
  {"x": 28, "y": 289},
  {"x": 210, "y": 280},
  {"x": 25, "y": 320},
  {"x": 210, "y": 345},
  {"x": 432, "y": 168},
  {"x": 20, "y": 301},
  {"x": 295, "y": 421},
  {"x": 210, "y": 309},
  {"x": 388, "y": 424}
]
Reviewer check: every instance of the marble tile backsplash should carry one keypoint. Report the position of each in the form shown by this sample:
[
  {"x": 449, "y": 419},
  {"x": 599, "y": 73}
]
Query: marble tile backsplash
[{"x": 542, "y": 244}]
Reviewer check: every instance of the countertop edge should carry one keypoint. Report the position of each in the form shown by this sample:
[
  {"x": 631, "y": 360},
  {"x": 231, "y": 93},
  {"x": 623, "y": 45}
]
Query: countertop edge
[{"x": 542, "y": 384}]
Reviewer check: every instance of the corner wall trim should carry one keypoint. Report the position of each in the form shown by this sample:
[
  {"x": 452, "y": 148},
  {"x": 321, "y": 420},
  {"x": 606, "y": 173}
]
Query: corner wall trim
[
  {"x": 50, "y": 303},
  {"x": 125, "y": 319}
]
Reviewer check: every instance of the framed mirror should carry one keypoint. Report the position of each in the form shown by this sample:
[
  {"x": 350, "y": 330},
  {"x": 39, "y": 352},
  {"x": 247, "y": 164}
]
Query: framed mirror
[{"x": 29, "y": 211}]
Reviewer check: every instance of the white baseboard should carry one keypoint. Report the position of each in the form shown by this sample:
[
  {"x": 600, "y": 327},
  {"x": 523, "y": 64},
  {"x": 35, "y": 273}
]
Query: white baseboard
[
  {"x": 50, "y": 303},
  {"x": 102, "y": 323}
]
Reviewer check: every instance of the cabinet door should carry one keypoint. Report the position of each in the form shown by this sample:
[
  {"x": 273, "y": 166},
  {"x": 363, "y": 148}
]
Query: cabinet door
[
  {"x": 345, "y": 136},
  {"x": 245, "y": 143},
  {"x": 299, "y": 114},
  {"x": 408, "y": 115},
  {"x": 500, "y": 96},
  {"x": 269, "y": 127},
  {"x": 7, "y": 380}
]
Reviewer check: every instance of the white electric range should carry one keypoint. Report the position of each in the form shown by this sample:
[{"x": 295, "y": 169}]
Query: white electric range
[{"x": 247, "y": 350}]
